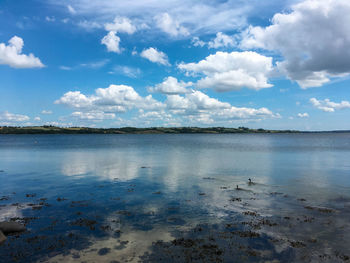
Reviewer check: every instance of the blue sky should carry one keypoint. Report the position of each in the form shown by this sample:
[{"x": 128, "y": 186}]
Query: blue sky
[{"x": 108, "y": 63}]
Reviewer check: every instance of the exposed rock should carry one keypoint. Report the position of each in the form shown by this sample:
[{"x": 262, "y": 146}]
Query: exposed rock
[
  {"x": 11, "y": 227},
  {"x": 4, "y": 198},
  {"x": 104, "y": 251},
  {"x": 2, "y": 237}
]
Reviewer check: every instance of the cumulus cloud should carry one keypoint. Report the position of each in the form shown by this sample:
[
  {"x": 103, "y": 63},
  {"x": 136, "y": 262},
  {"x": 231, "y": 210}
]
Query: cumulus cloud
[
  {"x": 329, "y": 106},
  {"x": 121, "y": 24},
  {"x": 222, "y": 40},
  {"x": 195, "y": 101},
  {"x": 115, "y": 98},
  {"x": 197, "y": 42},
  {"x": 313, "y": 38},
  {"x": 170, "y": 86},
  {"x": 11, "y": 55},
  {"x": 37, "y": 118},
  {"x": 46, "y": 112},
  {"x": 170, "y": 26},
  {"x": 8, "y": 118},
  {"x": 193, "y": 107},
  {"x": 199, "y": 107},
  {"x": 111, "y": 41},
  {"x": 155, "y": 56},
  {"x": 303, "y": 115},
  {"x": 232, "y": 71}
]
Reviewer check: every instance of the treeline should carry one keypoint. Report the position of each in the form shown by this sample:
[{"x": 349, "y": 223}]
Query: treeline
[{"x": 130, "y": 130}]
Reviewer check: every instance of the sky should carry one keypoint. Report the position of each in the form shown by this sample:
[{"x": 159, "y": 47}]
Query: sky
[{"x": 144, "y": 63}]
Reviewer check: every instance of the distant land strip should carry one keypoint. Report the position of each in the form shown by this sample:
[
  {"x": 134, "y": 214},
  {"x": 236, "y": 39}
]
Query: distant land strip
[{"x": 132, "y": 130}]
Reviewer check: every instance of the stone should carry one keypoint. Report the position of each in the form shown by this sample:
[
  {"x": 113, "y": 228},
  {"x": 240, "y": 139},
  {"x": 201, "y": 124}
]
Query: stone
[
  {"x": 11, "y": 227},
  {"x": 2, "y": 237}
]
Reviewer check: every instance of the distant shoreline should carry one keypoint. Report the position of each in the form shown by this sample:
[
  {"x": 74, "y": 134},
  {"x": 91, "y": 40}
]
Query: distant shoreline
[{"x": 151, "y": 130}]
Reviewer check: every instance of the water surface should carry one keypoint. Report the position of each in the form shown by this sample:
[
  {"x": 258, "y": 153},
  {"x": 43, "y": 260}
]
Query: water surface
[{"x": 149, "y": 198}]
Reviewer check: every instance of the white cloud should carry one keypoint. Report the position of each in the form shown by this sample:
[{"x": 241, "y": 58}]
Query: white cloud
[
  {"x": 199, "y": 107},
  {"x": 93, "y": 115},
  {"x": 130, "y": 72},
  {"x": 170, "y": 86},
  {"x": 71, "y": 10},
  {"x": 89, "y": 25},
  {"x": 197, "y": 42},
  {"x": 199, "y": 17},
  {"x": 125, "y": 96},
  {"x": 193, "y": 107},
  {"x": 11, "y": 55},
  {"x": 222, "y": 40},
  {"x": 11, "y": 117},
  {"x": 314, "y": 39},
  {"x": 111, "y": 40},
  {"x": 195, "y": 101},
  {"x": 232, "y": 71},
  {"x": 47, "y": 112},
  {"x": 170, "y": 26},
  {"x": 115, "y": 98},
  {"x": 90, "y": 65},
  {"x": 50, "y": 18},
  {"x": 65, "y": 68},
  {"x": 303, "y": 115},
  {"x": 121, "y": 24},
  {"x": 37, "y": 118},
  {"x": 153, "y": 55},
  {"x": 75, "y": 99},
  {"x": 95, "y": 64},
  {"x": 329, "y": 106}
]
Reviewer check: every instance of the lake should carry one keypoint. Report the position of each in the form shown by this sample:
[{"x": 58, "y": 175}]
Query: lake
[{"x": 176, "y": 197}]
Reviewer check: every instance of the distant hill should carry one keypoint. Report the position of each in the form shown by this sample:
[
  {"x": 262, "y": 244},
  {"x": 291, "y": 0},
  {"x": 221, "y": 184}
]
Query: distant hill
[{"x": 131, "y": 130}]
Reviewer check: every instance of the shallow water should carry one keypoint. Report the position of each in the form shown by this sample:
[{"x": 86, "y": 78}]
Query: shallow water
[{"x": 158, "y": 198}]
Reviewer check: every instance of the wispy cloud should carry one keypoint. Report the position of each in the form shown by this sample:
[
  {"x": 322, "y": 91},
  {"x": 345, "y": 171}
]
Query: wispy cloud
[
  {"x": 176, "y": 18},
  {"x": 131, "y": 72},
  {"x": 90, "y": 65}
]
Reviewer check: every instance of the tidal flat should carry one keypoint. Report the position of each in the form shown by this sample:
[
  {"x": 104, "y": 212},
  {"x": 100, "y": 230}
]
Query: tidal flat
[{"x": 176, "y": 197}]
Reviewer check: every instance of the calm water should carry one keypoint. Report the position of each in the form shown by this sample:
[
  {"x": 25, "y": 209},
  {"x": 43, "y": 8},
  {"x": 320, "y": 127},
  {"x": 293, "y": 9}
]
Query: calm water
[{"x": 173, "y": 198}]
